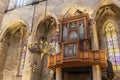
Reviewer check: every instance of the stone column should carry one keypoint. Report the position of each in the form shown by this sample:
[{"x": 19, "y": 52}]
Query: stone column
[
  {"x": 96, "y": 72},
  {"x": 28, "y": 63},
  {"x": 95, "y": 44},
  {"x": 58, "y": 74},
  {"x": 3, "y": 54}
]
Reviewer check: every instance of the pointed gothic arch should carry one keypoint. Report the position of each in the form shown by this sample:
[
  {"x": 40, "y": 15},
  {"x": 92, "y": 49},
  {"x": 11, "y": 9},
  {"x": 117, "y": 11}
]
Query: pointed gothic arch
[
  {"x": 101, "y": 4},
  {"x": 108, "y": 15},
  {"x": 41, "y": 18},
  {"x": 13, "y": 49},
  {"x": 44, "y": 30}
]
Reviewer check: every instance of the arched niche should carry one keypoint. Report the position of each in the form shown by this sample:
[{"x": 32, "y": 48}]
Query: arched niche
[
  {"x": 104, "y": 14},
  {"x": 45, "y": 30},
  {"x": 47, "y": 27},
  {"x": 107, "y": 14},
  {"x": 11, "y": 44}
]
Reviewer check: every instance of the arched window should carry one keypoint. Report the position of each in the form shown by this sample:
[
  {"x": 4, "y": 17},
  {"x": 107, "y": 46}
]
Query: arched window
[
  {"x": 22, "y": 58},
  {"x": 113, "y": 45}
]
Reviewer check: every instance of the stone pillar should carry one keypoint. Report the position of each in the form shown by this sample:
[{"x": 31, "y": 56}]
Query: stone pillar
[
  {"x": 28, "y": 63},
  {"x": 58, "y": 74},
  {"x": 96, "y": 72},
  {"x": 95, "y": 43},
  {"x": 95, "y": 46},
  {"x": 3, "y": 54}
]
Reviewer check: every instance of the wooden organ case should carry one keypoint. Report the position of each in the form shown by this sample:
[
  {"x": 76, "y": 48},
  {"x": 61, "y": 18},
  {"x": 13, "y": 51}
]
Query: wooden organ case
[
  {"x": 75, "y": 41},
  {"x": 75, "y": 35}
]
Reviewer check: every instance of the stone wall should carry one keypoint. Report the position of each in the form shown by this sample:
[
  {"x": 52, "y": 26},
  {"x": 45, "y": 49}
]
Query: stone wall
[
  {"x": 3, "y": 7},
  {"x": 56, "y": 9},
  {"x": 12, "y": 59},
  {"x": 3, "y": 49}
]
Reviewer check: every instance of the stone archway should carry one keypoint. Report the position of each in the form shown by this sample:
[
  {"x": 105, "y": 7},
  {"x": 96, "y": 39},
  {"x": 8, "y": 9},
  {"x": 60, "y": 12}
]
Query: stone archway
[
  {"x": 103, "y": 3},
  {"x": 10, "y": 44},
  {"x": 45, "y": 29},
  {"x": 107, "y": 13}
]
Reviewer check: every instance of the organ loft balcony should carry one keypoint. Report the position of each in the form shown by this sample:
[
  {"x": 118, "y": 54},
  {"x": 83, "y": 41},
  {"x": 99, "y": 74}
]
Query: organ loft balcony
[{"x": 75, "y": 44}]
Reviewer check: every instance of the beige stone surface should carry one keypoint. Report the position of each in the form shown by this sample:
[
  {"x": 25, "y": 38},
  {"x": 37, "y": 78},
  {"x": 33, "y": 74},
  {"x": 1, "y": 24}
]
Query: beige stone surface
[
  {"x": 56, "y": 9},
  {"x": 96, "y": 72}
]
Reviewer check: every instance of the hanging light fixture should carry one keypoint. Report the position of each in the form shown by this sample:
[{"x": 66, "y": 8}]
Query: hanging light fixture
[
  {"x": 45, "y": 44},
  {"x": 42, "y": 45}
]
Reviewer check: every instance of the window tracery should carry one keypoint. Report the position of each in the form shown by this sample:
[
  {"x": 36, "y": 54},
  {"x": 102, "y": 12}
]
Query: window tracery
[{"x": 113, "y": 45}]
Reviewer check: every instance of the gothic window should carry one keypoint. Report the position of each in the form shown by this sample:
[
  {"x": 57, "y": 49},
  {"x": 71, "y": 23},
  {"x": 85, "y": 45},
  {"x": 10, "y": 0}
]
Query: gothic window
[
  {"x": 20, "y": 3},
  {"x": 113, "y": 45},
  {"x": 22, "y": 58}
]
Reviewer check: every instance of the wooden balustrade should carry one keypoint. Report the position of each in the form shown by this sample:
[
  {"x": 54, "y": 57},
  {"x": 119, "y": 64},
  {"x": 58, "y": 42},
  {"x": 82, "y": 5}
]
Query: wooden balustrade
[{"x": 84, "y": 58}]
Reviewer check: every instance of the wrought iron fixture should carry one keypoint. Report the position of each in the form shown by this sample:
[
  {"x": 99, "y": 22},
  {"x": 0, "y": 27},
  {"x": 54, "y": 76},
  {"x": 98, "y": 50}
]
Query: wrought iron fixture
[
  {"x": 42, "y": 45},
  {"x": 32, "y": 3}
]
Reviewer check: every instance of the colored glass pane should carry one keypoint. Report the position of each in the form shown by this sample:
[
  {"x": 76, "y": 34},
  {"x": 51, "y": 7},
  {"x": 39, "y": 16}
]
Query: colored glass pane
[
  {"x": 110, "y": 50},
  {"x": 110, "y": 53},
  {"x": 22, "y": 60},
  {"x": 116, "y": 50},
  {"x": 119, "y": 68},
  {"x": 113, "y": 46}
]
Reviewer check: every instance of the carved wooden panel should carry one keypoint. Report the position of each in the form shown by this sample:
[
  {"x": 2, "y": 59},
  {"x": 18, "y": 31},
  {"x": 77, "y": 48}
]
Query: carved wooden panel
[
  {"x": 70, "y": 50},
  {"x": 75, "y": 29}
]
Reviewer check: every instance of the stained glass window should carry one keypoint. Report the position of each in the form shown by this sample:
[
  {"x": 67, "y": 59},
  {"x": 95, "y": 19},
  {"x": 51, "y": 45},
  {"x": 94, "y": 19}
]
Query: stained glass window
[
  {"x": 113, "y": 46},
  {"x": 22, "y": 57}
]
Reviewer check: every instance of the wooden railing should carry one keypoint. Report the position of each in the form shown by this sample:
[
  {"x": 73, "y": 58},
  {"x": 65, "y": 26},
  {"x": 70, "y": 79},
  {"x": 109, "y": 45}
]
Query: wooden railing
[{"x": 84, "y": 58}]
